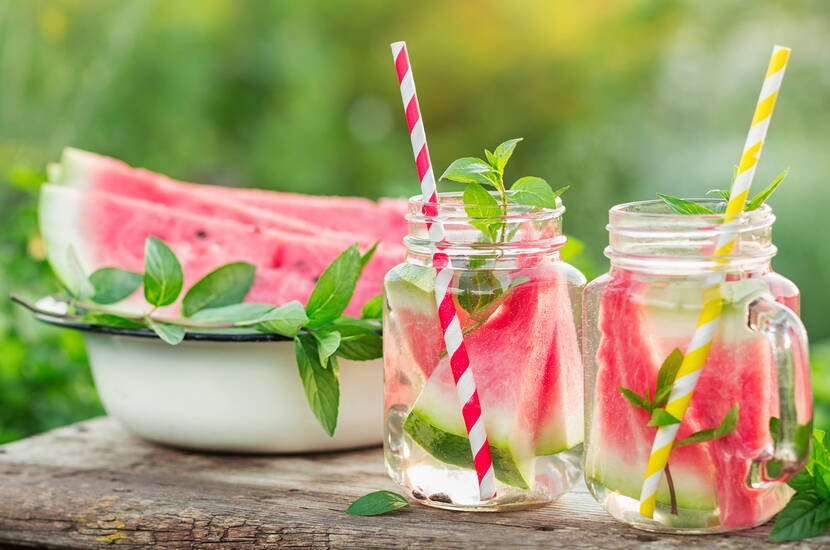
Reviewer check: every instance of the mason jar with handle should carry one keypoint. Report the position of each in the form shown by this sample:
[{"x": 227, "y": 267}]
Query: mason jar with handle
[
  {"x": 747, "y": 429},
  {"x": 518, "y": 304}
]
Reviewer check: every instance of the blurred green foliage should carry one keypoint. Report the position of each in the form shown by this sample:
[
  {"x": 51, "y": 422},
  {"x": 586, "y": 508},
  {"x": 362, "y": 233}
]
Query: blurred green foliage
[{"x": 617, "y": 99}]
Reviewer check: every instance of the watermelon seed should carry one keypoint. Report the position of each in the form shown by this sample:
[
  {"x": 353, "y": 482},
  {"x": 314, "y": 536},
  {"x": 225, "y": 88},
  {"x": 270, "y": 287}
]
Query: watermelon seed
[
  {"x": 440, "y": 497},
  {"x": 201, "y": 234},
  {"x": 416, "y": 494}
]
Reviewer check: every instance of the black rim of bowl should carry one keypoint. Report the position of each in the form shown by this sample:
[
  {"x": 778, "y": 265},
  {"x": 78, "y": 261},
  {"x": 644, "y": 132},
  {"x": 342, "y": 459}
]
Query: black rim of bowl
[{"x": 147, "y": 333}]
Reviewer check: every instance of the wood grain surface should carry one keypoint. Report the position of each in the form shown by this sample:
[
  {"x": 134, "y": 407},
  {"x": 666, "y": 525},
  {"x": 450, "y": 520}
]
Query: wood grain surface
[{"x": 93, "y": 485}]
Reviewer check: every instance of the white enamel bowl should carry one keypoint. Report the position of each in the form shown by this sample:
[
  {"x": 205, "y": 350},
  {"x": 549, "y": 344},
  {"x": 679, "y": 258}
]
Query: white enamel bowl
[{"x": 225, "y": 392}]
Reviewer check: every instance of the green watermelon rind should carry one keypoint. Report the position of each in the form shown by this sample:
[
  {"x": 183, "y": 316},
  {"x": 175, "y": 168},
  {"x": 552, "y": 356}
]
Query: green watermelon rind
[
  {"x": 454, "y": 449},
  {"x": 58, "y": 222}
]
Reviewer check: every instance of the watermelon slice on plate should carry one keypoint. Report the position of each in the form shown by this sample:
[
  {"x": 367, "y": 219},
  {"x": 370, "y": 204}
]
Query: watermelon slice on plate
[
  {"x": 106, "y": 229},
  {"x": 360, "y": 220}
]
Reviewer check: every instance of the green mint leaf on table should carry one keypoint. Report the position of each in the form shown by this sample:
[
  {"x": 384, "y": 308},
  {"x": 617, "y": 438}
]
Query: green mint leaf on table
[
  {"x": 113, "y": 284},
  {"x": 79, "y": 285},
  {"x": 327, "y": 343},
  {"x": 373, "y": 309},
  {"x": 726, "y": 427},
  {"x": 660, "y": 417},
  {"x": 503, "y": 153},
  {"x": 806, "y": 515},
  {"x": 334, "y": 288},
  {"x": 377, "y": 503},
  {"x": 470, "y": 170},
  {"x": 533, "y": 191},
  {"x": 682, "y": 206},
  {"x": 321, "y": 384},
  {"x": 226, "y": 285},
  {"x": 479, "y": 203},
  {"x": 286, "y": 319},
  {"x": 240, "y": 314},
  {"x": 758, "y": 200},
  {"x": 170, "y": 333},
  {"x": 635, "y": 399},
  {"x": 111, "y": 320},
  {"x": 163, "y": 278}
]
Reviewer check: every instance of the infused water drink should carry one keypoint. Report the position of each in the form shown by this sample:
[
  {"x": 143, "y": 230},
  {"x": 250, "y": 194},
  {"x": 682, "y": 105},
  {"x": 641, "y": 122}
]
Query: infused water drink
[
  {"x": 748, "y": 425},
  {"x": 518, "y": 306}
]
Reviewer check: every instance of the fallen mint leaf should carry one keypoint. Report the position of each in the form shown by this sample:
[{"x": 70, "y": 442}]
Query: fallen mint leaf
[
  {"x": 224, "y": 286},
  {"x": 377, "y": 503},
  {"x": 113, "y": 284}
]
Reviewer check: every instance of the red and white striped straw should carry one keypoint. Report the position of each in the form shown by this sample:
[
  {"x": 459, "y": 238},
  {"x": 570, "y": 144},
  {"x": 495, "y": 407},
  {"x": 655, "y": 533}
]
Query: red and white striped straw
[{"x": 451, "y": 326}]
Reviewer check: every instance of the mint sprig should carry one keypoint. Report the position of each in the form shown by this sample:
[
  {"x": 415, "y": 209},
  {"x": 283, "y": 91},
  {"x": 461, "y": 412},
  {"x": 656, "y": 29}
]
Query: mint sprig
[
  {"x": 654, "y": 406},
  {"x": 684, "y": 206},
  {"x": 481, "y": 175},
  {"x": 807, "y": 514},
  {"x": 320, "y": 331}
]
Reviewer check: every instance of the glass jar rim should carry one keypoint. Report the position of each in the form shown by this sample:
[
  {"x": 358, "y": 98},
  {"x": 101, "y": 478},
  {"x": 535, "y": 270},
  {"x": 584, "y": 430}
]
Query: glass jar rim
[
  {"x": 453, "y": 209},
  {"x": 626, "y": 211}
]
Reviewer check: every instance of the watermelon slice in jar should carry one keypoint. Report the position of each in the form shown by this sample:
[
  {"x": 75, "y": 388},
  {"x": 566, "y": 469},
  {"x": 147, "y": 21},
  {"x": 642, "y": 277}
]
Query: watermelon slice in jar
[
  {"x": 527, "y": 370},
  {"x": 641, "y": 323}
]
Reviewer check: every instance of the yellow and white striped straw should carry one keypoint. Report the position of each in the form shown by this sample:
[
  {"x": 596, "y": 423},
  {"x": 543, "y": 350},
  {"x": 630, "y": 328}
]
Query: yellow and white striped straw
[{"x": 698, "y": 350}]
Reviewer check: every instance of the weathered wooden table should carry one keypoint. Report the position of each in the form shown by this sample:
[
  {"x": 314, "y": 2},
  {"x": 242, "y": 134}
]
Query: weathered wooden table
[{"x": 93, "y": 485}]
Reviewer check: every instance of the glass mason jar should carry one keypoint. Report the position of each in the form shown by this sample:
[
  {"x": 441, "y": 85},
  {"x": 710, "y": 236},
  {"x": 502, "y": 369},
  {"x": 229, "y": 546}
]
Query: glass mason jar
[
  {"x": 648, "y": 305},
  {"x": 518, "y": 304}
]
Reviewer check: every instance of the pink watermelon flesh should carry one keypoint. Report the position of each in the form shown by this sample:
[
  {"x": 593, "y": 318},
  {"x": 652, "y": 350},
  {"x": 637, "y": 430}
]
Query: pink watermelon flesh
[
  {"x": 620, "y": 438},
  {"x": 112, "y": 229},
  {"x": 526, "y": 366},
  {"x": 739, "y": 369},
  {"x": 361, "y": 220}
]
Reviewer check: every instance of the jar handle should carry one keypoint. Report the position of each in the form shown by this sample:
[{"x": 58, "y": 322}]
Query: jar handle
[{"x": 791, "y": 440}]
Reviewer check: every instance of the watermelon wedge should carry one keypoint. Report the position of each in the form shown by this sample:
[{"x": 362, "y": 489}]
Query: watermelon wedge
[
  {"x": 358, "y": 219},
  {"x": 640, "y": 324},
  {"x": 106, "y": 229},
  {"x": 526, "y": 364}
]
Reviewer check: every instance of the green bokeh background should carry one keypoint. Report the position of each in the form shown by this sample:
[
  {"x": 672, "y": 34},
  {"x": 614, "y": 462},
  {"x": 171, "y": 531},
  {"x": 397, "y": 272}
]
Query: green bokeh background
[{"x": 619, "y": 99}]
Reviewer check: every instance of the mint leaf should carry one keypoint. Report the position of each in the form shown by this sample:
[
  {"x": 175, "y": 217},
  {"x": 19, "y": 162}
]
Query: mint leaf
[
  {"x": 477, "y": 289},
  {"x": 377, "y": 503},
  {"x": 533, "y": 191},
  {"x": 78, "y": 285},
  {"x": 321, "y": 384},
  {"x": 682, "y": 206},
  {"x": 170, "y": 333},
  {"x": 726, "y": 427},
  {"x": 373, "y": 308},
  {"x": 665, "y": 377},
  {"x": 660, "y": 417},
  {"x": 806, "y": 515},
  {"x": 286, "y": 320},
  {"x": 327, "y": 343},
  {"x": 359, "y": 340},
  {"x": 723, "y": 193},
  {"x": 422, "y": 278},
  {"x": 491, "y": 158},
  {"x": 113, "y": 284},
  {"x": 635, "y": 399},
  {"x": 111, "y": 320},
  {"x": 235, "y": 313},
  {"x": 470, "y": 170},
  {"x": 163, "y": 278},
  {"x": 367, "y": 256},
  {"x": 504, "y": 151},
  {"x": 758, "y": 200},
  {"x": 821, "y": 474},
  {"x": 479, "y": 203},
  {"x": 334, "y": 288},
  {"x": 225, "y": 285}
]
